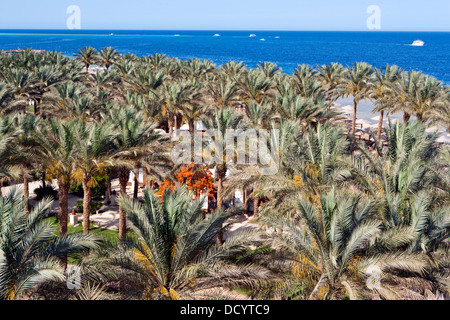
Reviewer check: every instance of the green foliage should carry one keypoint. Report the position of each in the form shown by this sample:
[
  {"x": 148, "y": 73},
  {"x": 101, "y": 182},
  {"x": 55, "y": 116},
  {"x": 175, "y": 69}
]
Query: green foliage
[
  {"x": 98, "y": 191},
  {"x": 94, "y": 206},
  {"x": 46, "y": 191}
]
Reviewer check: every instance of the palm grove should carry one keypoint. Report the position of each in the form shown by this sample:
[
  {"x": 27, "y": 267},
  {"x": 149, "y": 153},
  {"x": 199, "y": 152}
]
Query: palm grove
[{"x": 336, "y": 209}]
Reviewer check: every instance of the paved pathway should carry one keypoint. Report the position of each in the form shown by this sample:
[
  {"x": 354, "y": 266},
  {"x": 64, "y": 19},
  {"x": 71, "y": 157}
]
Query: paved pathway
[{"x": 109, "y": 215}]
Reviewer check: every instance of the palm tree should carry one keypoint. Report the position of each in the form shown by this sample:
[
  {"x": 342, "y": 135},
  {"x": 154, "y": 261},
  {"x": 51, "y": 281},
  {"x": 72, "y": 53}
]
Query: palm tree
[
  {"x": 358, "y": 85},
  {"x": 175, "y": 96},
  {"x": 173, "y": 253},
  {"x": 107, "y": 57},
  {"x": 420, "y": 94},
  {"x": 217, "y": 124},
  {"x": 94, "y": 148},
  {"x": 398, "y": 173},
  {"x": 135, "y": 140},
  {"x": 30, "y": 251},
  {"x": 88, "y": 56},
  {"x": 332, "y": 76},
  {"x": 255, "y": 85},
  {"x": 223, "y": 91},
  {"x": 342, "y": 239},
  {"x": 56, "y": 150},
  {"x": 311, "y": 162},
  {"x": 10, "y": 150},
  {"x": 28, "y": 144},
  {"x": 384, "y": 91}
]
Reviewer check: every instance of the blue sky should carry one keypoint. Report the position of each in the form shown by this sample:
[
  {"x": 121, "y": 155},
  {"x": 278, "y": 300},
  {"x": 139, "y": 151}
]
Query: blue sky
[{"x": 396, "y": 15}]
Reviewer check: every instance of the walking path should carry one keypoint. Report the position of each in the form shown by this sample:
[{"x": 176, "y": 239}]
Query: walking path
[{"x": 108, "y": 215}]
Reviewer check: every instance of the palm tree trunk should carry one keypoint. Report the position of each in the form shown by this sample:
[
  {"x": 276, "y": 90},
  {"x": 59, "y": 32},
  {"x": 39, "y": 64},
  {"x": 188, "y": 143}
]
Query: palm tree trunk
[
  {"x": 355, "y": 108},
  {"x": 26, "y": 191},
  {"x": 192, "y": 133},
  {"x": 380, "y": 125},
  {"x": 219, "y": 239},
  {"x": 322, "y": 280},
  {"x": 63, "y": 206},
  {"x": 108, "y": 188},
  {"x": 124, "y": 175},
  {"x": 406, "y": 117},
  {"x": 255, "y": 206},
  {"x": 170, "y": 124},
  {"x": 244, "y": 200},
  {"x": 136, "y": 184},
  {"x": 147, "y": 178},
  {"x": 87, "y": 197}
]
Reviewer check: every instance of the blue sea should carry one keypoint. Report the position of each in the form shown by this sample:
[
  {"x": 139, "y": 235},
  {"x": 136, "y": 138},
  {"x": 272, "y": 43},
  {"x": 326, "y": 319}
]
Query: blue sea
[{"x": 287, "y": 49}]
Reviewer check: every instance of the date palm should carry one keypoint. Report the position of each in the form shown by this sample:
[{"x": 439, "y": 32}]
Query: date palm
[
  {"x": 217, "y": 123},
  {"x": 107, "y": 57},
  {"x": 173, "y": 252},
  {"x": 332, "y": 76},
  {"x": 56, "y": 150},
  {"x": 88, "y": 56},
  {"x": 255, "y": 85},
  {"x": 93, "y": 151},
  {"x": 358, "y": 84},
  {"x": 421, "y": 94},
  {"x": 135, "y": 140},
  {"x": 223, "y": 91},
  {"x": 341, "y": 239},
  {"x": 30, "y": 252},
  {"x": 174, "y": 96},
  {"x": 383, "y": 93},
  {"x": 311, "y": 162},
  {"x": 398, "y": 173},
  {"x": 10, "y": 149}
]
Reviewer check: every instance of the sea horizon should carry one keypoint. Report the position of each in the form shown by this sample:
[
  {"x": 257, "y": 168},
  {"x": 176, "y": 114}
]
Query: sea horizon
[{"x": 287, "y": 49}]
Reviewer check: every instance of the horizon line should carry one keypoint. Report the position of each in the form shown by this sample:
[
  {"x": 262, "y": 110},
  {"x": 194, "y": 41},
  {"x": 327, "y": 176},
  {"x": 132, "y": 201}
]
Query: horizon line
[{"x": 226, "y": 30}]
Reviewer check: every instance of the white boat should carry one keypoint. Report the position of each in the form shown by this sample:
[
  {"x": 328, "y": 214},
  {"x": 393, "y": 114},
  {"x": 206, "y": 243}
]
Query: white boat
[
  {"x": 111, "y": 34},
  {"x": 176, "y": 35},
  {"x": 277, "y": 37},
  {"x": 418, "y": 43},
  {"x": 252, "y": 35},
  {"x": 262, "y": 39},
  {"x": 216, "y": 35}
]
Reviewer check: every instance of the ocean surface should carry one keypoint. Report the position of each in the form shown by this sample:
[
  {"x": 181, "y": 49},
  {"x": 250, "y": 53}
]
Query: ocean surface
[{"x": 287, "y": 49}]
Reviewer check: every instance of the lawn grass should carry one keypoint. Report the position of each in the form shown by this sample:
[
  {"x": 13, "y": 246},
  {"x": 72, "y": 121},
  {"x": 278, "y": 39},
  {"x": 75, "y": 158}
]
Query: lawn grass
[{"x": 105, "y": 234}]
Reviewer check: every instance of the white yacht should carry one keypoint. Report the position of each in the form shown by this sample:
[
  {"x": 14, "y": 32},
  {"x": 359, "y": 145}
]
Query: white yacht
[
  {"x": 418, "y": 43},
  {"x": 216, "y": 35},
  {"x": 252, "y": 35}
]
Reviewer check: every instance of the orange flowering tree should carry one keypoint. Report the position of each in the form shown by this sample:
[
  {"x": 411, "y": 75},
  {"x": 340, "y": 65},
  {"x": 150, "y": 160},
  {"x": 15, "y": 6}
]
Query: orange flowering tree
[{"x": 196, "y": 177}]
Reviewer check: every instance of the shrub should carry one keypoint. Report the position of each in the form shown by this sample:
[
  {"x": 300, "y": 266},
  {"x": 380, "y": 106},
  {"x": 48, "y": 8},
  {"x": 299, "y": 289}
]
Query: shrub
[
  {"x": 94, "y": 206},
  {"x": 47, "y": 191},
  {"x": 97, "y": 192}
]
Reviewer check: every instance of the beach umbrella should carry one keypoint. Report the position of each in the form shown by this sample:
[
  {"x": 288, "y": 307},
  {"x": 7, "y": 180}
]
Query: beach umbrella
[
  {"x": 434, "y": 129},
  {"x": 347, "y": 109},
  {"x": 443, "y": 139}
]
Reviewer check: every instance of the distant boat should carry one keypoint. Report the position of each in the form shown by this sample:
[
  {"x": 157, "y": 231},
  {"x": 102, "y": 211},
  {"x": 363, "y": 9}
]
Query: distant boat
[
  {"x": 252, "y": 35},
  {"x": 176, "y": 35},
  {"x": 216, "y": 35},
  {"x": 262, "y": 39},
  {"x": 418, "y": 43},
  {"x": 111, "y": 34},
  {"x": 277, "y": 37}
]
